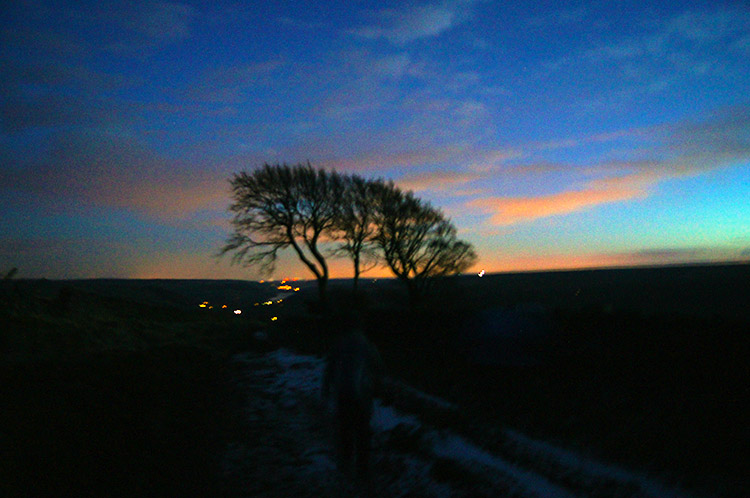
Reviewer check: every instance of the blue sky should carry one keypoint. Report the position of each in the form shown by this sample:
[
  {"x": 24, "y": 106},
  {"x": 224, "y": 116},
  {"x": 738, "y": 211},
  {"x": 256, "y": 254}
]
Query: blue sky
[{"x": 555, "y": 135}]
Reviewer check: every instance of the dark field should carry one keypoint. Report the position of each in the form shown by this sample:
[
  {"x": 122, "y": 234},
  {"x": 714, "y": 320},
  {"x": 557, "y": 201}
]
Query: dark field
[
  {"x": 114, "y": 424},
  {"x": 119, "y": 387},
  {"x": 107, "y": 391},
  {"x": 646, "y": 367}
]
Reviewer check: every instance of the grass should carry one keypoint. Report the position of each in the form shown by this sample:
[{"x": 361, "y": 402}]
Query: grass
[{"x": 108, "y": 397}]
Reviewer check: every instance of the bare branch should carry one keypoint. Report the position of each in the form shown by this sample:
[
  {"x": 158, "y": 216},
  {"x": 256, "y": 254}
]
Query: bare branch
[{"x": 279, "y": 206}]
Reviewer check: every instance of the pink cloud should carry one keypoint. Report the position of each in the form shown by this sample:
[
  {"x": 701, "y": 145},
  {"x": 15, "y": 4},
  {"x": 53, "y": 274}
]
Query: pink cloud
[
  {"x": 436, "y": 180},
  {"x": 512, "y": 210}
]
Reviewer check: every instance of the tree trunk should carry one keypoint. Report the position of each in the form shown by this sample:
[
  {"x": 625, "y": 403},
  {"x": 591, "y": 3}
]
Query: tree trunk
[
  {"x": 323, "y": 292},
  {"x": 414, "y": 292},
  {"x": 356, "y": 273}
]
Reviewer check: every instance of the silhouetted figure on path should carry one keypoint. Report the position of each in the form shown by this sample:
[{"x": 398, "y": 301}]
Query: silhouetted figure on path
[{"x": 352, "y": 375}]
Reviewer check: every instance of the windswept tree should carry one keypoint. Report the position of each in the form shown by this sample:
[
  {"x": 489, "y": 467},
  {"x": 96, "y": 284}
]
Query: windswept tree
[
  {"x": 356, "y": 224},
  {"x": 417, "y": 242},
  {"x": 279, "y": 206}
]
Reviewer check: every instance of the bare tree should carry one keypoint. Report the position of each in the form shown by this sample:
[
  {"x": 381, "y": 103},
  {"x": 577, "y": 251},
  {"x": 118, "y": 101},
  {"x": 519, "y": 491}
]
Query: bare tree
[
  {"x": 280, "y": 206},
  {"x": 416, "y": 240},
  {"x": 356, "y": 224}
]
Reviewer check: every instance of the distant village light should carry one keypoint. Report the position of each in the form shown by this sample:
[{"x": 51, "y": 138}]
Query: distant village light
[{"x": 237, "y": 312}]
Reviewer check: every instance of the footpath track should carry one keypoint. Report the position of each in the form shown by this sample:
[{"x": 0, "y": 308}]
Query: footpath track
[{"x": 286, "y": 448}]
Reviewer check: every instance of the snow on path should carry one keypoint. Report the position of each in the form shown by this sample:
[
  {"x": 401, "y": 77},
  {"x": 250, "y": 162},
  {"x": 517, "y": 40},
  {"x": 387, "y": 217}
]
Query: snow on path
[
  {"x": 544, "y": 451},
  {"x": 410, "y": 457}
]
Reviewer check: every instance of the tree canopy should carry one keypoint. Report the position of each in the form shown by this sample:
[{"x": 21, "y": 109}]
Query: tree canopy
[
  {"x": 356, "y": 223},
  {"x": 417, "y": 242},
  {"x": 280, "y": 206},
  {"x": 277, "y": 207}
]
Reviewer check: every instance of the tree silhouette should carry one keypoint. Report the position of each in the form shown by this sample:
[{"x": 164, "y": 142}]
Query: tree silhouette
[
  {"x": 280, "y": 206},
  {"x": 417, "y": 242},
  {"x": 356, "y": 224}
]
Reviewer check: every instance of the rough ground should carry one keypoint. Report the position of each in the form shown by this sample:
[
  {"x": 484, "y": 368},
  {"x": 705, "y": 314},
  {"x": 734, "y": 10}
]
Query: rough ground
[{"x": 286, "y": 448}]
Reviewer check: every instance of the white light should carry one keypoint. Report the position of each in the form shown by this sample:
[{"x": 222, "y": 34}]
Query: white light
[
  {"x": 237, "y": 312},
  {"x": 481, "y": 274}
]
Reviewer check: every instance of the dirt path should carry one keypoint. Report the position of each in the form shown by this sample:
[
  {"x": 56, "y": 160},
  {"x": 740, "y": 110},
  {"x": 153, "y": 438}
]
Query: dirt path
[{"x": 286, "y": 449}]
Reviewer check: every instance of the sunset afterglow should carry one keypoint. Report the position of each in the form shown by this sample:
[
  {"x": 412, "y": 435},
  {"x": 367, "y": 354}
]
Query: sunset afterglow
[{"x": 554, "y": 135}]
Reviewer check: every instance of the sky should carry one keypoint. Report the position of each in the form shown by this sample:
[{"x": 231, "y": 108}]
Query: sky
[{"x": 555, "y": 135}]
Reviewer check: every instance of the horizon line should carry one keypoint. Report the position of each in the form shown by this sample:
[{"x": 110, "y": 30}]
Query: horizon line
[{"x": 653, "y": 266}]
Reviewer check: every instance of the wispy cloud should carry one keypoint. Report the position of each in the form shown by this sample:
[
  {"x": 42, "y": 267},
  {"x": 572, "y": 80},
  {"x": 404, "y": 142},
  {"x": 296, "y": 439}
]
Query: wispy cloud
[
  {"x": 674, "y": 41},
  {"x": 134, "y": 29},
  {"x": 301, "y": 23},
  {"x": 491, "y": 160},
  {"x": 512, "y": 210},
  {"x": 148, "y": 26},
  {"x": 560, "y": 17},
  {"x": 164, "y": 20},
  {"x": 352, "y": 83},
  {"x": 90, "y": 169},
  {"x": 230, "y": 85},
  {"x": 721, "y": 137},
  {"x": 436, "y": 180},
  {"x": 670, "y": 151},
  {"x": 400, "y": 26},
  {"x": 384, "y": 160},
  {"x": 594, "y": 138}
]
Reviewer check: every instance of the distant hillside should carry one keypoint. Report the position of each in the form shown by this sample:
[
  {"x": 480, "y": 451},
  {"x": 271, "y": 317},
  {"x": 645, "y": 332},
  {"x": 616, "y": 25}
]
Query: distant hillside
[
  {"x": 699, "y": 290},
  {"x": 182, "y": 294}
]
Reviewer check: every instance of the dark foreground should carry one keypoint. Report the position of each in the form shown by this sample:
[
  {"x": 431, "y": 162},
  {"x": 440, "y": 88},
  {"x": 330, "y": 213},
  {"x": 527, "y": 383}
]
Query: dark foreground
[
  {"x": 106, "y": 395},
  {"x": 115, "y": 424}
]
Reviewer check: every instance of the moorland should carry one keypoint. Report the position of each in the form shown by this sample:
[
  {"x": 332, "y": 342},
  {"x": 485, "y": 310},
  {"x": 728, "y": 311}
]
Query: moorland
[{"x": 120, "y": 387}]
